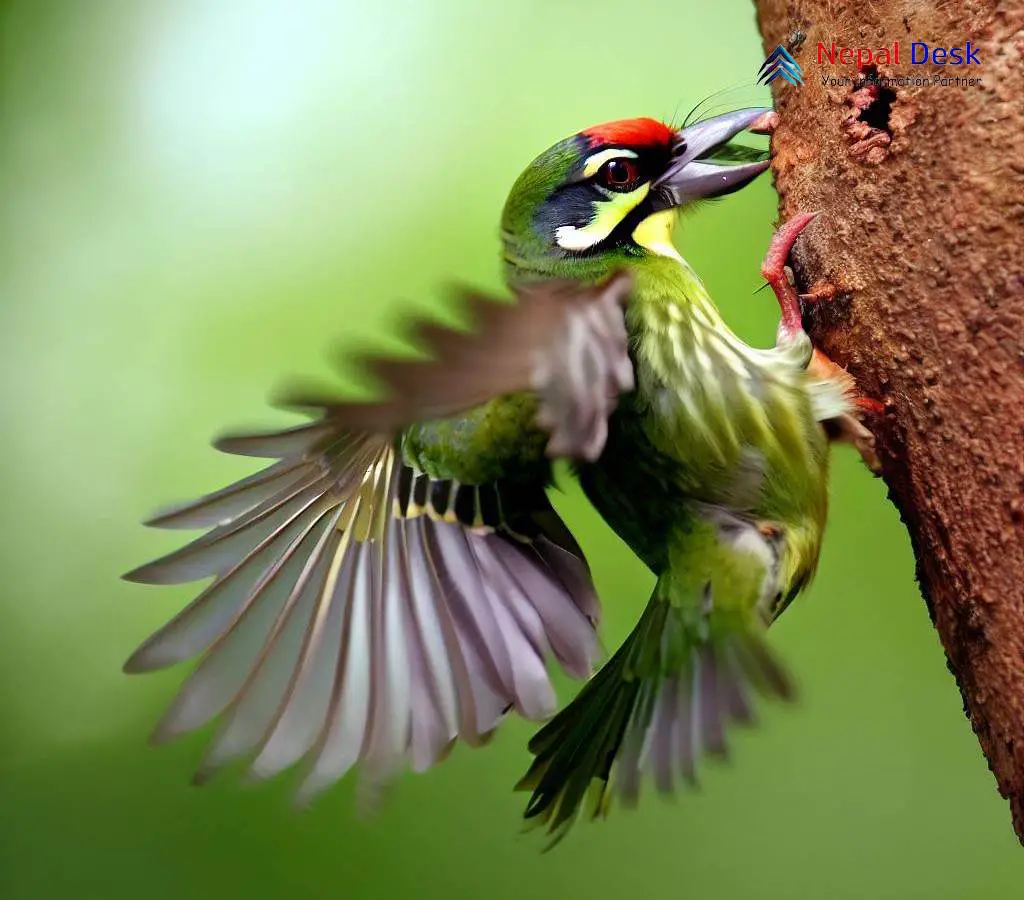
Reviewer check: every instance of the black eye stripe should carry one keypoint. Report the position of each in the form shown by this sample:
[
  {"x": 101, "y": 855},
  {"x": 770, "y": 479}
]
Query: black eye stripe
[{"x": 571, "y": 204}]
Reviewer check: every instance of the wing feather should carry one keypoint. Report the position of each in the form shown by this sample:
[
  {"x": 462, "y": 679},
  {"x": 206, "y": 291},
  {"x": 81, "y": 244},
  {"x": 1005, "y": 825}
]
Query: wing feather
[
  {"x": 296, "y": 726},
  {"x": 234, "y": 500},
  {"x": 362, "y": 612},
  {"x": 226, "y": 667},
  {"x": 221, "y": 605},
  {"x": 344, "y": 730}
]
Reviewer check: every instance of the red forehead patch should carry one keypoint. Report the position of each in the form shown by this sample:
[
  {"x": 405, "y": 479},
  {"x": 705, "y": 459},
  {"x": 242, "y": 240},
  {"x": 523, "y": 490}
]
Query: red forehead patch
[{"x": 630, "y": 133}]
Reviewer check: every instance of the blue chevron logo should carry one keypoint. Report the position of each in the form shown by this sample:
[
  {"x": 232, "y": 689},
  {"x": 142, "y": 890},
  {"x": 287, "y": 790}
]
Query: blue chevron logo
[{"x": 780, "y": 64}]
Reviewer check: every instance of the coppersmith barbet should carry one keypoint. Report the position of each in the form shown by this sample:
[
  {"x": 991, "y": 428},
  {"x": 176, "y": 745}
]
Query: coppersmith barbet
[{"x": 398, "y": 578}]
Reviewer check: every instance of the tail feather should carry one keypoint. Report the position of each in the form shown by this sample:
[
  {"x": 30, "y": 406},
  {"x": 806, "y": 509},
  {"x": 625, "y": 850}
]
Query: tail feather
[
  {"x": 575, "y": 751},
  {"x": 664, "y": 699}
]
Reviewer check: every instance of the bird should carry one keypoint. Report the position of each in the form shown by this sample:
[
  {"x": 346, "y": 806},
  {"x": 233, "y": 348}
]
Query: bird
[{"x": 396, "y": 579}]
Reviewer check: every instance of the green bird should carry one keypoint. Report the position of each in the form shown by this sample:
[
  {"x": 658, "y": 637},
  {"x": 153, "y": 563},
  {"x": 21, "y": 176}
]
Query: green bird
[{"x": 398, "y": 579}]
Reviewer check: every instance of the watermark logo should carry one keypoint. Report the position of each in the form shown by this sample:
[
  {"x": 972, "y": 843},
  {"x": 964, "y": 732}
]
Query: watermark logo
[
  {"x": 780, "y": 64},
  {"x": 869, "y": 60},
  {"x": 920, "y": 54}
]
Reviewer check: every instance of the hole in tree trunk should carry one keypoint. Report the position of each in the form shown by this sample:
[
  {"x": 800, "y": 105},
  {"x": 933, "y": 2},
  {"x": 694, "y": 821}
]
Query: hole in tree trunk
[{"x": 876, "y": 113}]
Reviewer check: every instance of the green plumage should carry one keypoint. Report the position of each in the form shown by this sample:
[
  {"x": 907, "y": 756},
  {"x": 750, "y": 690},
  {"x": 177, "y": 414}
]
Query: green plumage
[{"x": 493, "y": 442}]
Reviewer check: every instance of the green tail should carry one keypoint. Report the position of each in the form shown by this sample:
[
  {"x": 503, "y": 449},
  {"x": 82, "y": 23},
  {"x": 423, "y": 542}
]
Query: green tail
[{"x": 683, "y": 674}]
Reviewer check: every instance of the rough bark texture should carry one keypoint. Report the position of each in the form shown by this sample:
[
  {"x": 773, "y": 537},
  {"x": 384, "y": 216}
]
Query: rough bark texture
[{"x": 921, "y": 242}]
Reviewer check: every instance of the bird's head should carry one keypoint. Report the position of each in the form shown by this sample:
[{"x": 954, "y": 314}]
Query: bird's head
[{"x": 612, "y": 191}]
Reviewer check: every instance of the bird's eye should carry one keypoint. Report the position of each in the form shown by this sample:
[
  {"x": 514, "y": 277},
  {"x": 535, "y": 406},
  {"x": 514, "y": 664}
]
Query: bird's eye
[{"x": 620, "y": 174}]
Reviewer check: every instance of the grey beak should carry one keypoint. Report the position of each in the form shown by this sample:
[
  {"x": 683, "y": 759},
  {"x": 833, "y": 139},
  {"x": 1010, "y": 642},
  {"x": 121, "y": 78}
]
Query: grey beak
[{"x": 690, "y": 177}]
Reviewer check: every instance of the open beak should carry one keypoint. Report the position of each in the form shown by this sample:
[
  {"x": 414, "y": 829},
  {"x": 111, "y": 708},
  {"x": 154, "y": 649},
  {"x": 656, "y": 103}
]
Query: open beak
[{"x": 692, "y": 175}]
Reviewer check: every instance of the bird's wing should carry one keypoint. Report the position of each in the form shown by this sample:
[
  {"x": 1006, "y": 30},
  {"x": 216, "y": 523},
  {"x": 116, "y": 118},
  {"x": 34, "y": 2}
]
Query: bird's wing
[
  {"x": 363, "y": 612},
  {"x": 565, "y": 341}
]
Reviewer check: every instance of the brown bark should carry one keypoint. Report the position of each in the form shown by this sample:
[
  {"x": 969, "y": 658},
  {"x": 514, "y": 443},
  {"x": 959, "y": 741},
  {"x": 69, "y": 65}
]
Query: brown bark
[{"x": 921, "y": 241}]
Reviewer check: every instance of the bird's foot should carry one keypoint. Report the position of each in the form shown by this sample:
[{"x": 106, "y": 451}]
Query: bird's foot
[
  {"x": 847, "y": 427},
  {"x": 773, "y": 269}
]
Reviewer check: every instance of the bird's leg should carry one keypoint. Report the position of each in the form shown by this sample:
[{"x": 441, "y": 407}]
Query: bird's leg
[
  {"x": 846, "y": 428},
  {"x": 774, "y": 271}
]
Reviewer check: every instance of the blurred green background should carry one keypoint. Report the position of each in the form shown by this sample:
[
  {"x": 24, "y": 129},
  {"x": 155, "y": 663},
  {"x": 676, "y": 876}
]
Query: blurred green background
[{"x": 198, "y": 197}]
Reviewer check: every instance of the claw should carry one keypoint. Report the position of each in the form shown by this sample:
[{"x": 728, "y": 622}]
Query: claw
[{"x": 820, "y": 291}]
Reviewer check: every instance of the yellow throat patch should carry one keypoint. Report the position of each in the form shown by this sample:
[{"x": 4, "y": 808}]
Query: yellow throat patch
[{"x": 655, "y": 233}]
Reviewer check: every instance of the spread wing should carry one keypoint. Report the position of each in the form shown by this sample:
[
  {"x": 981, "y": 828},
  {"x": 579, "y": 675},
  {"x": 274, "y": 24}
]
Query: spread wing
[{"x": 362, "y": 611}]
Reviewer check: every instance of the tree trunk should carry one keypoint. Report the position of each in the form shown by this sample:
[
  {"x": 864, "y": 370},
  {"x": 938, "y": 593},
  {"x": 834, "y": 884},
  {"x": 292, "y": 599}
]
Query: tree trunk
[{"x": 917, "y": 259}]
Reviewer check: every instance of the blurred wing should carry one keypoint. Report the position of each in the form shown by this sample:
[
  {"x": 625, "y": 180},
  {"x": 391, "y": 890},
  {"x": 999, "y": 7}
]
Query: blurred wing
[
  {"x": 565, "y": 341},
  {"x": 364, "y": 612}
]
